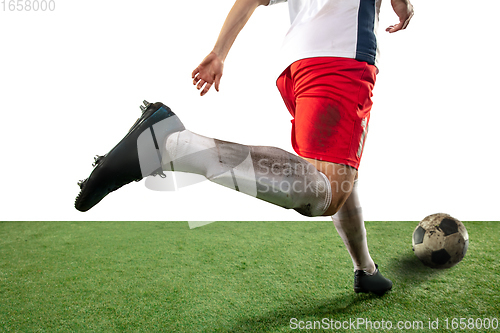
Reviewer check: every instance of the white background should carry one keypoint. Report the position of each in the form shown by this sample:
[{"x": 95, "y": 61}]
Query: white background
[{"x": 72, "y": 80}]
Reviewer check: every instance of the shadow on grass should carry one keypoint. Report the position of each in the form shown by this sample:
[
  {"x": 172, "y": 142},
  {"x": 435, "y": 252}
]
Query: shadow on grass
[
  {"x": 301, "y": 309},
  {"x": 407, "y": 272}
]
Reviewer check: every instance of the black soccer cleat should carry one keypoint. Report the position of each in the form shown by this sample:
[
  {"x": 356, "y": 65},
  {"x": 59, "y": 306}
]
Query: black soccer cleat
[
  {"x": 136, "y": 156},
  {"x": 375, "y": 283}
]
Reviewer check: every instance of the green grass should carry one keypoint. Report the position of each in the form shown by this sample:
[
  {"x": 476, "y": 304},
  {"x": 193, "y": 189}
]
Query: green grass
[{"x": 228, "y": 277}]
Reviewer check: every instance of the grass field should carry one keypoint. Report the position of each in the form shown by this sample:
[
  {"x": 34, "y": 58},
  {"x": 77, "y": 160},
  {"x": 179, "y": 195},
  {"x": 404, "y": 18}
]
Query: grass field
[{"x": 230, "y": 277}]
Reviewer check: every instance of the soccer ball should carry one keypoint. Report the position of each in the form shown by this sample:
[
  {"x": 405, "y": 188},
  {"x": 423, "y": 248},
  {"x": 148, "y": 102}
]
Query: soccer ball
[{"x": 440, "y": 241}]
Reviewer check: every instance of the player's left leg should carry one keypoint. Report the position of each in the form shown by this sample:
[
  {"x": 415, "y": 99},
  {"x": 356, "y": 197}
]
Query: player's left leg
[
  {"x": 349, "y": 222},
  {"x": 347, "y": 217},
  {"x": 350, "y": 226}
]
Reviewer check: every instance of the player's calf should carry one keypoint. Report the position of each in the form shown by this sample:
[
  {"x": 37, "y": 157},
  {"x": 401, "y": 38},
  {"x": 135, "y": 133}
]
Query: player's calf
[{"x": 268, "y": 173}]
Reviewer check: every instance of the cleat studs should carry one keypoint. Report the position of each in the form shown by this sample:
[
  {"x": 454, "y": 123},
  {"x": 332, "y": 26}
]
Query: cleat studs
[
  {"x": 146, "y": 103},
  {"x": 97, "y": 159},
  {"x": 143, "y": 108},
  {"x": 82, "y": 183}
]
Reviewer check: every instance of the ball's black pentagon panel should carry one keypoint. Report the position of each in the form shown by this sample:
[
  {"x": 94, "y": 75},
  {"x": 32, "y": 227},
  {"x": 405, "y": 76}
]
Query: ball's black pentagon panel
[
  {"x": 440, "y": 257},
  {"x": 448, "y": 226}
]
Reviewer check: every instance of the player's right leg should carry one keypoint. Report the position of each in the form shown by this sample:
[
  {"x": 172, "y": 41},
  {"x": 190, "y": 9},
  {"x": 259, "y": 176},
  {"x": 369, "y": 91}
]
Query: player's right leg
[
  {"x": 267, "y": 173},
  {"x": 158, "y": 141}
]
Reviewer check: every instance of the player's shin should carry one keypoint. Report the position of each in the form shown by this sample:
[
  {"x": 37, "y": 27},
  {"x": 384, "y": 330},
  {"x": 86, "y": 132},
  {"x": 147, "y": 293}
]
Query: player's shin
[
  {"x": 267, "y": 173},
  {"x": 351, "y": 227}
]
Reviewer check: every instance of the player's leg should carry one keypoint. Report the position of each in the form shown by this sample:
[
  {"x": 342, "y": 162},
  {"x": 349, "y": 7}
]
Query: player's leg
[
  {"x": 330, "y": 104},
  {"x": 158, "y": 141},
  {"x": 346, "y": 212},
  {"x": 348, "y": 220},
  {"x": 350, "y": 226},
  {"x": 267, "y": 173}
]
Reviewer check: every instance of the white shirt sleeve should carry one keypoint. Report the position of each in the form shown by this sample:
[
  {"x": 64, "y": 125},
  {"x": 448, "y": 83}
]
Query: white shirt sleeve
[{"x": 273, "y": 2}]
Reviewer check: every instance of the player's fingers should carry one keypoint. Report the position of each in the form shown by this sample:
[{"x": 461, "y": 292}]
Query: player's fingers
[
  {"x": 394, "y": 28},
  {"x": 403, "y": 22},
  {"x": 195, "y": 72},
  {"x": 205, "y": 90},
  {"x": 196, "y": 79},
  {"x": 200, "y": 84}
]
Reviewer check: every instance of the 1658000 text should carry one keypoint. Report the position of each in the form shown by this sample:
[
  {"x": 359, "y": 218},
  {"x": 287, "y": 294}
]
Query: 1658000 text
[{"x": 28, "y": 5}]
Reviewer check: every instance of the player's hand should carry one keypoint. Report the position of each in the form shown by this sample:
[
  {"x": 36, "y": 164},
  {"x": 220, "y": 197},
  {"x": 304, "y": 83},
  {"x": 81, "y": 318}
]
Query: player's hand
[
  {"x": 404, "y": 10},
  {"x": 207, "y": 73}
]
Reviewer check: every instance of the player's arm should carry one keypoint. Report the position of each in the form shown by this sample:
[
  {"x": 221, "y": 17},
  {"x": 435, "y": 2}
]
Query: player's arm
[
  {"x": 210, "y": 69},
  {"x": 404, "y": 10}
]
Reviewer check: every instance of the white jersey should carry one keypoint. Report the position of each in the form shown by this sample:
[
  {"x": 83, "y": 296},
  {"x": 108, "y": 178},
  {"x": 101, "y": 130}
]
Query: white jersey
[{"x": 331, "y": 28}]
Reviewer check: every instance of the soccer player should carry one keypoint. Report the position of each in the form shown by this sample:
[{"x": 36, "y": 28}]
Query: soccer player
[{"x": 329, "y": 71}]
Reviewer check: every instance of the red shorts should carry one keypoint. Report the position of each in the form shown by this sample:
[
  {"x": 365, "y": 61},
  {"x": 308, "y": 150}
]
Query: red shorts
[{"x": 329, "y": 99}]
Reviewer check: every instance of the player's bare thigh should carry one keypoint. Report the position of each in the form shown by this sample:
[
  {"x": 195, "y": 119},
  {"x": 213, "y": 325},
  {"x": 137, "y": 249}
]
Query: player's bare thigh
[{"x": 341, "y": 179}]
